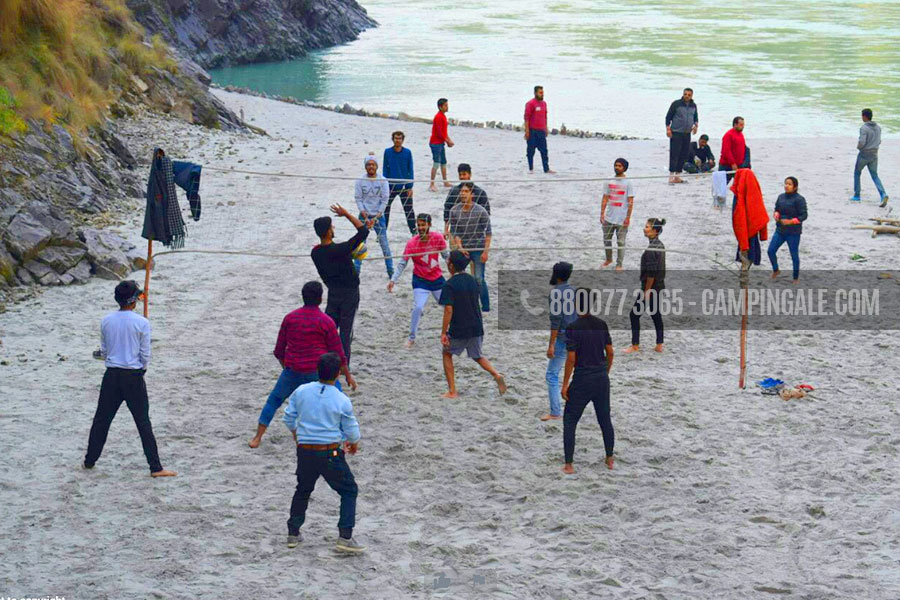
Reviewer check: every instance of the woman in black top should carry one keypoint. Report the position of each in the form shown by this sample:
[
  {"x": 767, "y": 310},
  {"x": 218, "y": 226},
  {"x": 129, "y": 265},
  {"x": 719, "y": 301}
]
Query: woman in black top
[
  {"x": 790, "y": 212},
  {"x": 653, "y": 281}
]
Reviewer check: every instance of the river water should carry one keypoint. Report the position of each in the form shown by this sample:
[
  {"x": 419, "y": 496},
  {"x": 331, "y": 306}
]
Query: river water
[{"x": 792, "y": 68}]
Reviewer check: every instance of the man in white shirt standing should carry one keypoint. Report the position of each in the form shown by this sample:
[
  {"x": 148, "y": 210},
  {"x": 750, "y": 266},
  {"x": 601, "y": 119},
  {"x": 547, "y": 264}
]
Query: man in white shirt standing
[
  {"x": 125, "y": 347},
  {"x": 371, "y": 194},
  {"x": 615, "y": 212}
]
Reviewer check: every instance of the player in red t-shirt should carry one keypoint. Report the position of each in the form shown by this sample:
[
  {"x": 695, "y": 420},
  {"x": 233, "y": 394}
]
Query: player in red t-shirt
[
  {"x": 536, "y": 130},
  {"x": 428, "y": 277},
  {"x": 439, "y": 137}
]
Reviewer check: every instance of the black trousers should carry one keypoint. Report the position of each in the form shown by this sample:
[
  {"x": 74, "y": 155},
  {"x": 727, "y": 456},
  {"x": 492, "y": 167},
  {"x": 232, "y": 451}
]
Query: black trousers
[
  {"x": 651, "y": 307},
  {"x": 407, "y": 202},
  {"x": 679, "y": 150},
  {"x": 588, "y": 386},
  {"x": 123, "y": 385},
  {"x": 341, "y": 306},
  {"x": 333, "y": 467}
]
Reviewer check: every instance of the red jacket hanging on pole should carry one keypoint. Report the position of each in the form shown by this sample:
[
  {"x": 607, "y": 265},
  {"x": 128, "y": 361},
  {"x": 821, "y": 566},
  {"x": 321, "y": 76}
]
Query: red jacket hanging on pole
[{"x": 749, "y": 216}]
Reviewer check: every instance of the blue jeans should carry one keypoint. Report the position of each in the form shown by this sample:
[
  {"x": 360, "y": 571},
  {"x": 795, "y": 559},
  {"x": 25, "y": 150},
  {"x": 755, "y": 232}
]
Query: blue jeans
[
  {"x": 475, "y": 257},
  {"x": 554, "y": 365},
  {"x": 793, "y": 242},
  {"x": 537, "y": 140},
  {"x": 287, "y": 382},
  {"x": 863, "y": 161},
  {"x": 381, "y": 231}
]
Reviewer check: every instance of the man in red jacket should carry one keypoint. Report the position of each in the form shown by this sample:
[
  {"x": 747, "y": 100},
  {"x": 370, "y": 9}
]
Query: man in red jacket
[{"x": 733, "y": 147}]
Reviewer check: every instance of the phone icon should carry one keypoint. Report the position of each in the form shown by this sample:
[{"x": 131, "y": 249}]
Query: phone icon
[{"x": 534, "y": 311}]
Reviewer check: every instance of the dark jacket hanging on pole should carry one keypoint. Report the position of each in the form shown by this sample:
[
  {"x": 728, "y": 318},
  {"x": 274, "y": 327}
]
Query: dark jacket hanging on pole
[{"x": 162, "y": 220}]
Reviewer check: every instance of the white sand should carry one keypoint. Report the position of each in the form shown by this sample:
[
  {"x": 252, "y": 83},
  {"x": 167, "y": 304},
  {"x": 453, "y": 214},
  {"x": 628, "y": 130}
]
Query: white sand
[{"x": 717, "y": 493}]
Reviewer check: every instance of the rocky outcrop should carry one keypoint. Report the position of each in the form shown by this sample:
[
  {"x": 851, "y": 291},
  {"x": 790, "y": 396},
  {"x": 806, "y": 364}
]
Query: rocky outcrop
[{"x": 223, "y": 32}]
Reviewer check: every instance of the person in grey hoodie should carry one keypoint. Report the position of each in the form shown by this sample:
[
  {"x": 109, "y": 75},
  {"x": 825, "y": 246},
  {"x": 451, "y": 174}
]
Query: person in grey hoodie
[
  {"x": 372, "y": 193},
  {"x": 681, "y": 122},
  {"x": 869, "y": 141}
]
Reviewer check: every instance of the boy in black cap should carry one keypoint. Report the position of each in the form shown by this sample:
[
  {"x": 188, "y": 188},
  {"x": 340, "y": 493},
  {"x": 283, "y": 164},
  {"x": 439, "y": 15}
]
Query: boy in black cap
[
  {"x": 462, "y": 328},
  {"x": 335, "y": 266},
  {"x": 125, "y": 347}
]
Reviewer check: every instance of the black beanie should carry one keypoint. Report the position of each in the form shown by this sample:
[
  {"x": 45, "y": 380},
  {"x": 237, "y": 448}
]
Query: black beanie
[
  {"x": 623, "y": 161},
  {"x": 561, "y": 272}
]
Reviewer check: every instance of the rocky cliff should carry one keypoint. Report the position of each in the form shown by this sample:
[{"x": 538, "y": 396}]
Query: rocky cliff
[{"x": 224, "y": 32}]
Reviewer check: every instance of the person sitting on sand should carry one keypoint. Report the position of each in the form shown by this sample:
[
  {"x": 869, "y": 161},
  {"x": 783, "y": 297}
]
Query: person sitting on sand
[
  {"x": 653, "y": 281},
  {"x": 439, "y": 139},
  {"x": 590, "y": 357},
  {"x": 462, "y": 328},
  {"x": 790, "y": 212},
  {"x": 615, "y": 212},
  {"x": 559, "y": 321},
  {"x": 306, "y": 334},
  {"x": 701, "y": 158},
  {"x": 125, "y": 348},
  {"x": 428, "y": 278},
  {"x": 335, "y": 267},
  {"x": 321, "y": 419}
]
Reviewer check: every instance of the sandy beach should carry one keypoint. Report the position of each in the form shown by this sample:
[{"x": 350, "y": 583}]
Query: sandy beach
[{"x": 717, "y": 492}]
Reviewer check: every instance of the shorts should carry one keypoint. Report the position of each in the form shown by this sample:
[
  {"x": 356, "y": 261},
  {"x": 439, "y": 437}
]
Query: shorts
[
  {"x": 438, "y": 155},
  {"x": 471, "y": 345}
]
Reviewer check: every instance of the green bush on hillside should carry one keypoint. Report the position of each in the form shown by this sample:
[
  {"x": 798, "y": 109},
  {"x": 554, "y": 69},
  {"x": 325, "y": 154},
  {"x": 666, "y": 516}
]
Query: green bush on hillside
[{"x": 65, "y": 61}]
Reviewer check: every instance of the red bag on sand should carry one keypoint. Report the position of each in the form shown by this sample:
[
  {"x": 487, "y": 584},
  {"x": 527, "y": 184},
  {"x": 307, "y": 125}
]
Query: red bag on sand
[{"x": 749, "y": 216}]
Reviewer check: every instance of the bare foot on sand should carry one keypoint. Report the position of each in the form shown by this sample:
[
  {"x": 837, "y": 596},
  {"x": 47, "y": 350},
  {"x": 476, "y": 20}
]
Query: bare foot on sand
[
  {"x": 550, "y": 417},
  {"x": 550, "y": 172},
  {"x": 501, "y": 385},
  {"x": 659, "y": 348},
  {"x": 254, "y": 443},
  {"x": 605, "y": 264},
  {"x": 448, "y": 184},
  {"x": 632, "y": 349},
  {"x": 775, "y": 274},
  {"x": 450, "y": 395},
  {"x": 432, "y": 188},
  {"x": 163, "y": 473},
  {"x": 569, "y": 469},
  {"x": 619, "y": 268},
  {"x": 609, "y": 463},
  {"x": 795, "y": 281},
  {"x": 410, "y": 343}
]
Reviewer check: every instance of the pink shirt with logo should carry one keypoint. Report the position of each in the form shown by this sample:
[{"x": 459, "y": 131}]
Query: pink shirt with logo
[
  {"x": 536, "y": 114},
  {"x": 427, "y": 266}
]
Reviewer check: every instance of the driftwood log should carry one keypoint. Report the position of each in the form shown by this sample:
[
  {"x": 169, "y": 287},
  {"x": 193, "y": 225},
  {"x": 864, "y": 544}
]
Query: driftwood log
[{"x": 876, "y": 229}]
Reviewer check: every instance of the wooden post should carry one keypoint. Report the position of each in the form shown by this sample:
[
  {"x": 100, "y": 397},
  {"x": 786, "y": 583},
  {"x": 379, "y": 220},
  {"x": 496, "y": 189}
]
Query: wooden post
[
  {"x": 745, "y": 281},
  {"x": 147, "y": 279}
]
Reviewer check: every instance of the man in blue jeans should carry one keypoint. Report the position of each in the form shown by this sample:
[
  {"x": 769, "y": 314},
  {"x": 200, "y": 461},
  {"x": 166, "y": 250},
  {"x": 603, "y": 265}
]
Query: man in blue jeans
[
  {"x": 305, "y": 335},
  {"x": 869, "y": 141},
  {"x": 536, "y": 130},
  {"x": 470, "y": 226},
  {"x": 371, "y": 194},
  {"x": 321, "y": 419},
  {"x": 562, "y": 314},
  {"x": 790, "y": 212}
]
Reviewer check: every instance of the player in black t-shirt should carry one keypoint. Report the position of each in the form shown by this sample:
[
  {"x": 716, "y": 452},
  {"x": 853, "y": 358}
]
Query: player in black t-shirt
[
  {"x": 335, "y": 266},
  {"x": 462, "y": 327},
  {"x": 590, "y": 356},
  {"x": 653, "y": 281}
]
